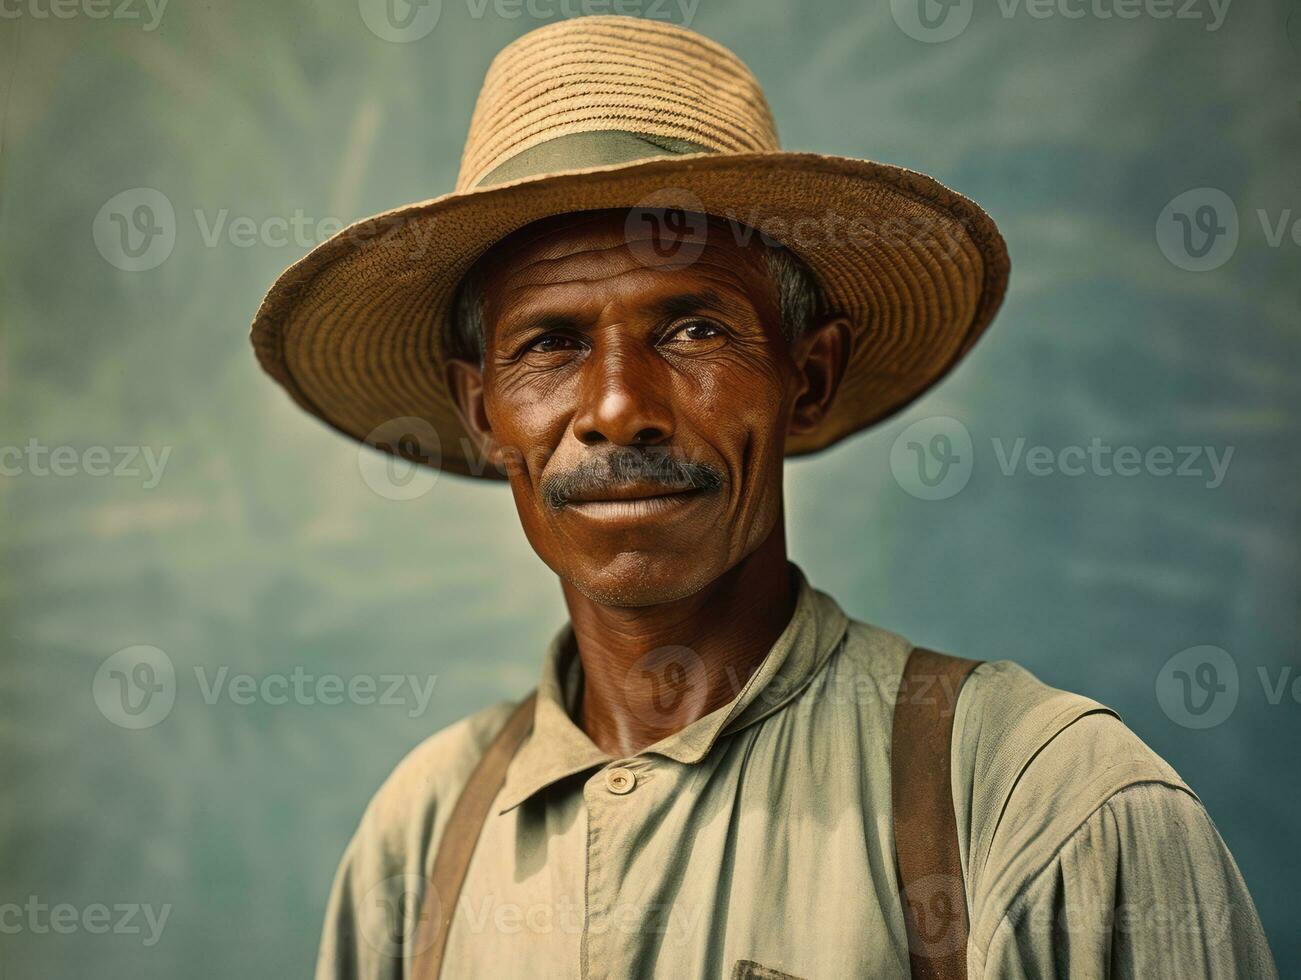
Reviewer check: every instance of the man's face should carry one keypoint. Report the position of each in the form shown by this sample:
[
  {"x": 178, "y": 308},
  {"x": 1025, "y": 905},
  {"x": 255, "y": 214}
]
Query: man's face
[{"x": 640, "y": 403}]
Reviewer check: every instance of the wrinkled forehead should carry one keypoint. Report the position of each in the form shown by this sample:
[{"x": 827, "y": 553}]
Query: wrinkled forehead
[{"x": 657, "y": 249}]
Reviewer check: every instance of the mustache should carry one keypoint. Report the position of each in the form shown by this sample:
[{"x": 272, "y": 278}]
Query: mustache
[{"x": 624, "y": 465}]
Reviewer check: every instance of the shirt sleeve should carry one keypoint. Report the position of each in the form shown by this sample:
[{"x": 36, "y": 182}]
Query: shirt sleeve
[
  {"x": 1144, "y": 888},
  {"x": 378, "y": 896}
]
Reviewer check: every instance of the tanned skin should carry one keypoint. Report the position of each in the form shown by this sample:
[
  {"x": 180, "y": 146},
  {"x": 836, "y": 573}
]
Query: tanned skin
[{"x": 600, "y": 355}]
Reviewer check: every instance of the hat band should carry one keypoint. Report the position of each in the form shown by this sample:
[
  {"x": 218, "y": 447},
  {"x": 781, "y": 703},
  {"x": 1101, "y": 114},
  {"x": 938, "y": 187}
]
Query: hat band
[{"x": 576, "y": 151}]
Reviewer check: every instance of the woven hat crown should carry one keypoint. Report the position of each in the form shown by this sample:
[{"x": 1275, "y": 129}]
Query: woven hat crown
[
  {"x": 593, "y": 74},
  {"x": 601, "y": 113}
]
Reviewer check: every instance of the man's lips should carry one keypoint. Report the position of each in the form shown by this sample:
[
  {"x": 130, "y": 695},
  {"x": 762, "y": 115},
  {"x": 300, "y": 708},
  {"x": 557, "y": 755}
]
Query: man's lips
[{"x": 632, "y": 491}]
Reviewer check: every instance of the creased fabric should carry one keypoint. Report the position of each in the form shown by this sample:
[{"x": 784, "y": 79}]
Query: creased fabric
[{"x": 762, "y": 834}]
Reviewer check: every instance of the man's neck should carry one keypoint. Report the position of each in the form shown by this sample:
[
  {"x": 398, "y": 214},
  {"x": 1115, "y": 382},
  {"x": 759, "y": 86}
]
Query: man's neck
[{"x": 650, "y": 671}]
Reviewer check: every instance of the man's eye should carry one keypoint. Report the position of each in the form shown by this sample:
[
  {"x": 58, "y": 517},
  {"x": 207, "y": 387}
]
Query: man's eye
[
  {"x": 696, "y": 329},
  {"x": 550, "y": 343}
]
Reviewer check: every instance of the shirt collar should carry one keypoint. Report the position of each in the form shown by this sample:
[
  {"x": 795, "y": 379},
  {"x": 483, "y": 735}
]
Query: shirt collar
[{"x": 557, "y": 748}]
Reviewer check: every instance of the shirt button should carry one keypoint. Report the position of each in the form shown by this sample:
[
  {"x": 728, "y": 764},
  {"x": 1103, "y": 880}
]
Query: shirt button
[{"x": 620, "y": 780}]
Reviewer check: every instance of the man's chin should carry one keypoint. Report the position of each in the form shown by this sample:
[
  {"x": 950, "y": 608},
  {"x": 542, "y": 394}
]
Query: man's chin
[{"x": 633, "y": 579}]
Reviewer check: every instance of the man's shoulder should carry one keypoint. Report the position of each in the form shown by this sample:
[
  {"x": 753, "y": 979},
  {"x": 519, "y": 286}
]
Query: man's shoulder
[
  {"x": 387, "y": 860},
  {"x": 1010, "y": 727},
  {"x": 411, "y": 806},
  {"x": 1031, "y": 764}
]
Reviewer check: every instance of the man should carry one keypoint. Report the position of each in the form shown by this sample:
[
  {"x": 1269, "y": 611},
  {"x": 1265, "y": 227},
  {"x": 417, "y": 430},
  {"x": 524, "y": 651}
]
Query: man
[{"x": 720, "y": 774}]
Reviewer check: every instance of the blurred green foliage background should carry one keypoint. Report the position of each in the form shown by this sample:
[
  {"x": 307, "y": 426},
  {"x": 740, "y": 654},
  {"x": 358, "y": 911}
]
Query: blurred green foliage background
[{"x": 261, "y": 549}]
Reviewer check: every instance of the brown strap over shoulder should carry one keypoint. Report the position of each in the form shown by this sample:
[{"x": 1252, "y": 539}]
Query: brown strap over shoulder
[
  {"x": 927, "y": 860},
  {"x": 459, "y": 840}
]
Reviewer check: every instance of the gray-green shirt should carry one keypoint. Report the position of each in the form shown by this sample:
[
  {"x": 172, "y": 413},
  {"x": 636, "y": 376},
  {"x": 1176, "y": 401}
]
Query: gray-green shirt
[{"x": 761, "y": 834}]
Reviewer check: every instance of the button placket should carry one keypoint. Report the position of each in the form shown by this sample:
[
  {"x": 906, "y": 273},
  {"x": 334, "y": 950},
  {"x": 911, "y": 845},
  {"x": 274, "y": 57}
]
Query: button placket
[{"x": 613, "y": 823}]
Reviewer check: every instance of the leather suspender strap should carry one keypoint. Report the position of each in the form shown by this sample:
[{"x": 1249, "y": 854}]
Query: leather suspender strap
[
  {"x": 927, "y": 860},
  {"x": 460, "y": 837},
  {"x": 928, "y": 863}
]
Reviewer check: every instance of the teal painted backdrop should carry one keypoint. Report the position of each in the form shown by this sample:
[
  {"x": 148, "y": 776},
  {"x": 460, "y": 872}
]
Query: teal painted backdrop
[{"x": 158, "y": 492}]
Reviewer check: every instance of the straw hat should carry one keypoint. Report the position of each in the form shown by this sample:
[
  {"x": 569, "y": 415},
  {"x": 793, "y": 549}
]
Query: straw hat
[{"x": 618, "y": 112}]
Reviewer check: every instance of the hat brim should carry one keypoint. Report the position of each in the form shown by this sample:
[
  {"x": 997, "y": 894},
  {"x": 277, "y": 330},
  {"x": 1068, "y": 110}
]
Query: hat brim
[{"x": 355, "y": 330}]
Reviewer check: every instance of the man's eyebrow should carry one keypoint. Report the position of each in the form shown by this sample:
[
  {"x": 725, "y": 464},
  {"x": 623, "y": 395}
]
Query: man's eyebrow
[
  {"x": 671, "y": 307},
  {"x": 684, "y": 304}
]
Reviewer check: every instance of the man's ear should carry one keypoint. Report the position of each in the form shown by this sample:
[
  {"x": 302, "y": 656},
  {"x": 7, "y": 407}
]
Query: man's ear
[
  {"x": 465, "y": 382},
  {"x": 820, "y": 357}
]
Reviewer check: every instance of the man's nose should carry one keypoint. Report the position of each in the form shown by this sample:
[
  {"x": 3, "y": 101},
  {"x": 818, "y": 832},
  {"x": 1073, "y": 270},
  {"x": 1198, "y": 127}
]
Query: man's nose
[{"x": 623, "y": 400}]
